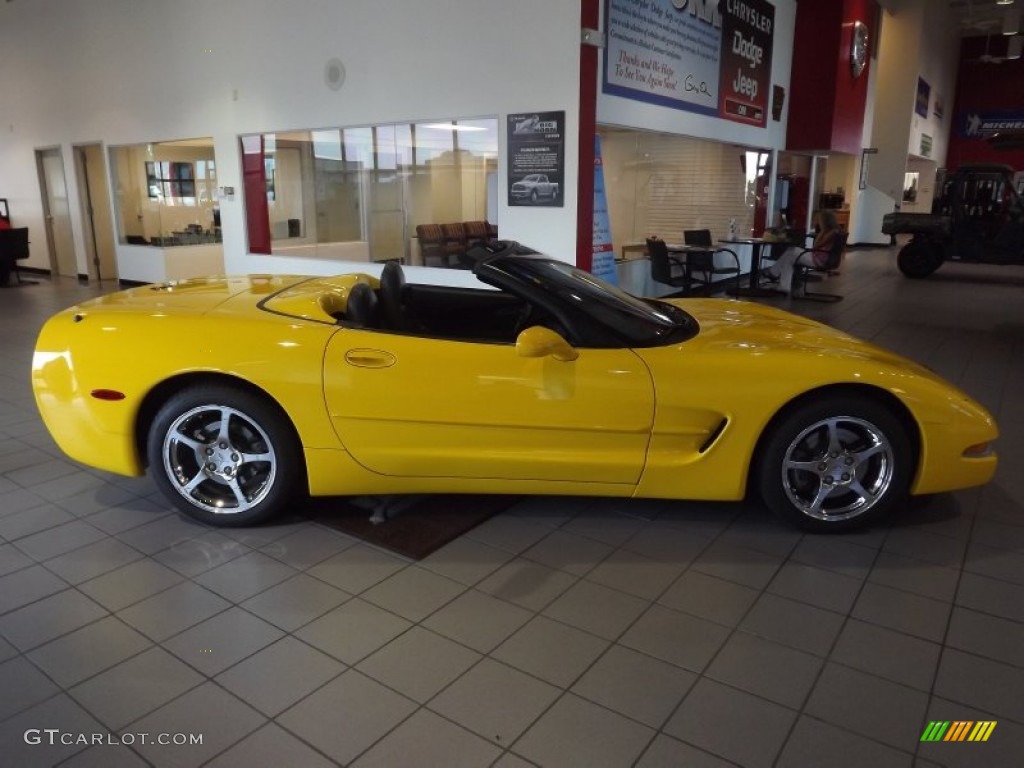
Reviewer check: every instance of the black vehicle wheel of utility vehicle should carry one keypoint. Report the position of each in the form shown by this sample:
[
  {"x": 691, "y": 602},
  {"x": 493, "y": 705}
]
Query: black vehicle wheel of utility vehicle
[
  {"x": 918, "y": 259},
  {"x": 224, "y": 456},
  {"x": 836, "y": 463}
]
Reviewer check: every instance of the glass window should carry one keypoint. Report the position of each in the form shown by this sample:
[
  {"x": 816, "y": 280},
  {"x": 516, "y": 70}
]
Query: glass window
[
  {"x": 664, "y": 184},
  {"x": 166, "y": 193},
  {"x": 358, "y": 193},
  {"x": 172, "y": 181}
]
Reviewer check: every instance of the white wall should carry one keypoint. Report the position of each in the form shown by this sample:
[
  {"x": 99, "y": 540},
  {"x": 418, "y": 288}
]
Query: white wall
[
  {"x": 937, "y": 64},
  {"x": 131, "y": 71},
  {"x": 918, "y": 38}
]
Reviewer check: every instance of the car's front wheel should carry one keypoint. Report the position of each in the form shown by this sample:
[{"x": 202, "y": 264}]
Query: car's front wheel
[
  {"x": 836, "y": 463},
  {"x": 224, "y": 456}
]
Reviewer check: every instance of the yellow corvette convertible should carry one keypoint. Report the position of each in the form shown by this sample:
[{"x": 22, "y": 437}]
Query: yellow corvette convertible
[{"x": 243, "y": 393}]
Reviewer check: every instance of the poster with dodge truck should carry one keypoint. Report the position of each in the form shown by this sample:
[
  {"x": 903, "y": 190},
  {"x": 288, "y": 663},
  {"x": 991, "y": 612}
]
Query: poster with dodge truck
[{"x": 536, "y": 158}]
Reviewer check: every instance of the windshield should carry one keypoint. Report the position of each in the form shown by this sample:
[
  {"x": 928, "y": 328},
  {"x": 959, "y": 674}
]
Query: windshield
[{"x": 639, "y": 322}]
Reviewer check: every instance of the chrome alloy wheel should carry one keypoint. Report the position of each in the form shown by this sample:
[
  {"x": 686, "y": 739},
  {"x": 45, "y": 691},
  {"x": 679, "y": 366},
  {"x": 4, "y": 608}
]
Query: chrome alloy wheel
[
  {"x": 219, "y": 459},
  {"x": 838, "y": 468}
]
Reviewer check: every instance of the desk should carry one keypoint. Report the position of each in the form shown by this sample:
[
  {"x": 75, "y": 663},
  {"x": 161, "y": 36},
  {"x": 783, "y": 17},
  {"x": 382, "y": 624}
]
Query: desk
[
  {"x": 709, "y": 265},
  {"x": 757, "y": 244},
  {"x": 634, "y": 271},
  {"x": 640, "y": 249}
]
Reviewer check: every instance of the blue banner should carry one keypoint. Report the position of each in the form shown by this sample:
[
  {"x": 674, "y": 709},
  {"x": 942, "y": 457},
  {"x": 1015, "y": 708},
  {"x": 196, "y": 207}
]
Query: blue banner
[{"x": 603, "y": 260}]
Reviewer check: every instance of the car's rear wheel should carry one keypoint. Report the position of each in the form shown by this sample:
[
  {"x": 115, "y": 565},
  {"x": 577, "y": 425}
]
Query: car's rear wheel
[
  {"x": 836, "y": 463},
  {"x": 918, "y": 259},
  {"x": 224, "y": 456}
]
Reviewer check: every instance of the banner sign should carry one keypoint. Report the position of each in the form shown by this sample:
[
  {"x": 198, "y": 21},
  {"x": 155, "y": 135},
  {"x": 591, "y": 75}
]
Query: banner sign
[
  {"x": 536, "y": 158},
  {"x": 713, "y": 57},
  {"x": 983, "y": 125},
  {"x": 602, "y": 263}
]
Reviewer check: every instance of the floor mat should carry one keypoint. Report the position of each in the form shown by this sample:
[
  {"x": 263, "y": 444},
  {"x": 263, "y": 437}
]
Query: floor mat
[{"x": 412, "y": 526}]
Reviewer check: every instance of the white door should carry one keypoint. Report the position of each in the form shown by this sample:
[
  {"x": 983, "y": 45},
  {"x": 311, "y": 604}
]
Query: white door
[
  {"x": 97, "y": 220},
  {"x": 57, "y": 212}
]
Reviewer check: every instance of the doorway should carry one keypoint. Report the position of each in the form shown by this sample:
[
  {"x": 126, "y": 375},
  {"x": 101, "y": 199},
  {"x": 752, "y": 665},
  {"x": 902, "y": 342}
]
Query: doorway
[
  {"x": 97, "y": 217},
  {"x": 56, "y": 212}
]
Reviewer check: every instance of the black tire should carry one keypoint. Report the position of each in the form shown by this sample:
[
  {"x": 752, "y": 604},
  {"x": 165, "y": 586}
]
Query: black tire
[
  {"x": 835, "y": 463},
  {"x": 918, "y": 259},
  {"x": 212, "y": 473}
]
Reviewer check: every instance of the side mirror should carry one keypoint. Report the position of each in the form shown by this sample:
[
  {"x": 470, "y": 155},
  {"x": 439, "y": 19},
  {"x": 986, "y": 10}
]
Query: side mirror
[{"x": 538, "y": 341}]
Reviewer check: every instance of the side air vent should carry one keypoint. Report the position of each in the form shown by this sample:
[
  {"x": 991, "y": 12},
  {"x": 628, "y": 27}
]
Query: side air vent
[{"x": 714, "y": 435}]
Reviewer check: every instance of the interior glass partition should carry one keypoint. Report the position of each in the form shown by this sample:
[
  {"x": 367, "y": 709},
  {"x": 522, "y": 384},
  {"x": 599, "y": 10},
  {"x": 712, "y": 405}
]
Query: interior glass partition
[
  {"x": 358, "y": 193},
  {"x": 166, "y": 193},
  {"x": 662, "y": 184}
]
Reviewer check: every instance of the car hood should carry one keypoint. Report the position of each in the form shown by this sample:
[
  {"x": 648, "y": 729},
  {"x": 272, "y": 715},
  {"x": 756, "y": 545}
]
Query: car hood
[{"x": 739, "y": 327}]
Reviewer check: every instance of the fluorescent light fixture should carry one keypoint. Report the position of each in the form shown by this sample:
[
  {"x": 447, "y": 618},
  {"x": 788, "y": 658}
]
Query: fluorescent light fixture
[
  {"x": 1011, "y": 22},
  {"x": 452, "y": 127},
  {"x": 1004, "y": 2}
]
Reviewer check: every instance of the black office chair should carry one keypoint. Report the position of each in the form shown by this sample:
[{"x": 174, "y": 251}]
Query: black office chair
[
  {"x": 833, "y": 258},
  {"x": 665, "y": 268},
  {"x": 703, "y": 262},
  {"x": 13, "y": 248}
]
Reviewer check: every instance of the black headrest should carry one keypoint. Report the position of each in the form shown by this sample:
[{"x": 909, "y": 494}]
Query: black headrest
[
  {"x": 392, "y": 278},
  {"x": 361, "y": 306}
]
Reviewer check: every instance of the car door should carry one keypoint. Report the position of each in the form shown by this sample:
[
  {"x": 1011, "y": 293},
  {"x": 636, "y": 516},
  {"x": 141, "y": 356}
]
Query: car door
[{"x": 411, "y": 406}]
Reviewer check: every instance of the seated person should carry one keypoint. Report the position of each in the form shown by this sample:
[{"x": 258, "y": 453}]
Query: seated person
[{"x": 828, "y": 230}]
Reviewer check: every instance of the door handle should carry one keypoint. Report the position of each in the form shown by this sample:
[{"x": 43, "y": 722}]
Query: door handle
[{"x": 369, "y": 358}]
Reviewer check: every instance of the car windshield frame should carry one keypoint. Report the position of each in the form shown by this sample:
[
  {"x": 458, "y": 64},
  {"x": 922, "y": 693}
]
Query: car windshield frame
[{"x": 580, "y": 299}]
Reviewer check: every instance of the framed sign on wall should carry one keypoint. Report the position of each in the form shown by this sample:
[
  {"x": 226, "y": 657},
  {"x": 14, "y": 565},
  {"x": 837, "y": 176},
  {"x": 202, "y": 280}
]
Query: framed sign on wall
[
  {"x": 710, "y": 58},
  {"x": 536, "y": 158}
]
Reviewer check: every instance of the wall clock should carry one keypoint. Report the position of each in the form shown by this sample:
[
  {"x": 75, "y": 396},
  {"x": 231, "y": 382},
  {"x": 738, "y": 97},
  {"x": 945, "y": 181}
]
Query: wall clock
[{"x": 858, "y": 48}]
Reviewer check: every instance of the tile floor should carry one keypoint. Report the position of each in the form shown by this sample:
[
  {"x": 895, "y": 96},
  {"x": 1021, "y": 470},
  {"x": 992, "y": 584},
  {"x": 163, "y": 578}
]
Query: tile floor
[{"x": 565, "y": 632}]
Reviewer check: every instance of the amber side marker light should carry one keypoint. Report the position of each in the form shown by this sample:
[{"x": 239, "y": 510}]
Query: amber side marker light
[
  {"x": 978, "y": 450},
  {"x": 107, "y": 394}
]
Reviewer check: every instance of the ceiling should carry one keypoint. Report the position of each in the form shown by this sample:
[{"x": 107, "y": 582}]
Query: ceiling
[{"x": 985, "y": 17}]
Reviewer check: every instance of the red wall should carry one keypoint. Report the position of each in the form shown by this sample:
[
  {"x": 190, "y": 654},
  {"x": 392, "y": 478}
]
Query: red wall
[
  {"x": 985, "y": 87},
  {"x": 827, "y": 104}
]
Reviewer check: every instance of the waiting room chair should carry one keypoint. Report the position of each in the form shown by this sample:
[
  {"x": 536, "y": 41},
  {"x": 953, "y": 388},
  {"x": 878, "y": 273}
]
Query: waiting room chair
[
  {"x": 833, "y": 259},
  {"x": 476, "y": 233},
  {"x": 703, "y": 262},
  {"x": 432, "y": 243},
  {"x": 455, "y": 243}
]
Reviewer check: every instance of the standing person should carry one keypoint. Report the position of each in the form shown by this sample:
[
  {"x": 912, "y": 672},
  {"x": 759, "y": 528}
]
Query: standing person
[{"x": 828, "y": 231}]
